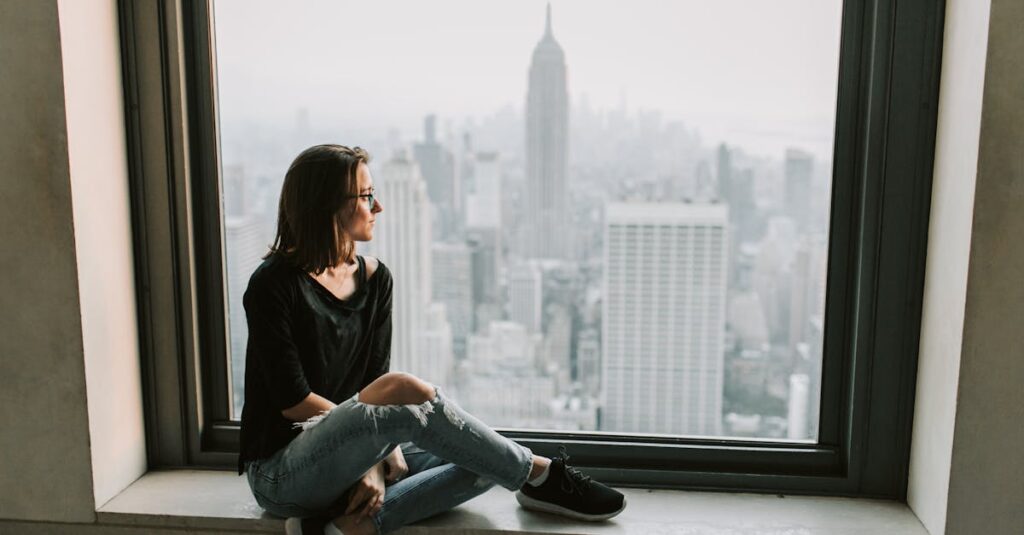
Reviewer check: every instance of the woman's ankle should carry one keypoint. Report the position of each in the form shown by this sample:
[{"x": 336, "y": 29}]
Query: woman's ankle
[{"x": 539, "y": 465}]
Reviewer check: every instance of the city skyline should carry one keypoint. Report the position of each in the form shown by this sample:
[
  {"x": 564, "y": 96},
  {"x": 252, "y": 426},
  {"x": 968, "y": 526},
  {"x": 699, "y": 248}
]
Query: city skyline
[{"x": 564, "y": 268}]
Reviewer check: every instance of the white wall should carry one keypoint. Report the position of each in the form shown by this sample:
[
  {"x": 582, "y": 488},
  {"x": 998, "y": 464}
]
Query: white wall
[
  {"x": 966, "y": 472},
  {"x": 97, "y": 152},
  {"x": 949, "y": 240}
]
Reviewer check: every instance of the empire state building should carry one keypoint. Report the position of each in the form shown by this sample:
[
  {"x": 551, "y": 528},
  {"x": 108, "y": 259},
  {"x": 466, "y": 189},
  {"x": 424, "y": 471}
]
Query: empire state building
[{"x": 547, "y": 150}]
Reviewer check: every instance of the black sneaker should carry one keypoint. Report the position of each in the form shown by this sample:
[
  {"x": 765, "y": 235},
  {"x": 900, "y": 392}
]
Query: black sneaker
[
  {"x": 304, "y": 526},
  {"x": 568, "y": 492}
]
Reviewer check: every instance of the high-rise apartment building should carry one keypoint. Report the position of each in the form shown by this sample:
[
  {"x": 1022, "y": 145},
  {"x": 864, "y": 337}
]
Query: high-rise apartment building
[
  {"x": 663, "y": 323},
  {"x": 402, "y": 241},
  {"x": 547, "y": 150}
]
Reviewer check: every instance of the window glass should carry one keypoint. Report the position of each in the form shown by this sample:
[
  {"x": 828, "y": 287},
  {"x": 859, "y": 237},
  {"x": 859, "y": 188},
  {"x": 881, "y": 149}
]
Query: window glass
[{"x": 628, "y": 203}]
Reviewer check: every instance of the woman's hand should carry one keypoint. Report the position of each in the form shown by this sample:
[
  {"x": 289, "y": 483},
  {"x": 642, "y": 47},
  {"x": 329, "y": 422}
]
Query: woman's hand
[
  {"x": 394, "y": 465},
  {"x": 367, "y": 495}
]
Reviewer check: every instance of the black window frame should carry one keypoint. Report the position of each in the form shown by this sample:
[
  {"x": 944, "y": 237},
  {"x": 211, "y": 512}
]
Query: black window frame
[{"x": 886, "y": 109}]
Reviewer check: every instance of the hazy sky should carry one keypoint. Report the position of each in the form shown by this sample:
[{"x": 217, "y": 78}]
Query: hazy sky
[{"x": 727, "y": 66}]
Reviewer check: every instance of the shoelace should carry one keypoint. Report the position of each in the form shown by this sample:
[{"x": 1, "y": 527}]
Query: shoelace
[{"x": 574, "y": 480}]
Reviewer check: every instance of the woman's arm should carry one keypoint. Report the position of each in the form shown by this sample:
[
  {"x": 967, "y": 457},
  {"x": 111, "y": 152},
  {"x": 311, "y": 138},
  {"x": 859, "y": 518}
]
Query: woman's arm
[
  {"x": 309, "y": 407},
  {"x": 272, "y": 352},
  {"x": 379, "y": 355}
]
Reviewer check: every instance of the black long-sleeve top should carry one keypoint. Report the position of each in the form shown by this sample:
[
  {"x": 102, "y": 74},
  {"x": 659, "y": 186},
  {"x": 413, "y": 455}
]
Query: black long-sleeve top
[{"x": 303, "y": 339}]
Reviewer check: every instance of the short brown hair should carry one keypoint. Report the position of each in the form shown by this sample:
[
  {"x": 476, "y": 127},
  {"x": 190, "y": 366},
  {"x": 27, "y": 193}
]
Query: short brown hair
[{"x": 315, "y": 206}]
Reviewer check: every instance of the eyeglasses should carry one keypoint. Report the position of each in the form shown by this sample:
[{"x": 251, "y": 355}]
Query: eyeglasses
[{"x": 369, "y": 198}]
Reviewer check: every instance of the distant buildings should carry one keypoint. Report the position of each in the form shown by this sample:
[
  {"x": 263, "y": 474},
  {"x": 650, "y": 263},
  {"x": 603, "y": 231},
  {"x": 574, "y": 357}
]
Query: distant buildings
[
  {"x": 244, "y": 247},
  {"x": 504, "y": 387},
  {"x": 525, "y": 296},
  {"x": 664, "y": 318},
  {"x": 452, "y": 285},
  {"x": 437, "y": 165},
  {"x": 548, "y": 303},
  {"x": 798, "y": 170}
]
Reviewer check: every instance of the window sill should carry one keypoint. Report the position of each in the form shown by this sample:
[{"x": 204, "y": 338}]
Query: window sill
[{"x": 220, "y": 501}]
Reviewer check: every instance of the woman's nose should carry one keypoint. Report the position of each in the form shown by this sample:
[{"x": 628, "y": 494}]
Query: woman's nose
[{"x": 377, "y": 206}]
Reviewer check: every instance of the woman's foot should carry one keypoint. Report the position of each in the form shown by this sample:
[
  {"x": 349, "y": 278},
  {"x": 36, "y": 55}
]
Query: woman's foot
[{"x": 567, "y": 492}]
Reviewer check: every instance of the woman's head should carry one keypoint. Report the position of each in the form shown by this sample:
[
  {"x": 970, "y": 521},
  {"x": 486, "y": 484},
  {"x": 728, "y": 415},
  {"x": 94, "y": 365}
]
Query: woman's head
[{"x": 325, "y": 207}]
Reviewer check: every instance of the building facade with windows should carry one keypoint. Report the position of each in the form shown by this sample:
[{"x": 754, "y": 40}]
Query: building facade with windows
[{"x": 664, "y": 318}]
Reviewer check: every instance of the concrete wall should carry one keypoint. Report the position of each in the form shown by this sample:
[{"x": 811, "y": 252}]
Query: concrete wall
[
  {"x": 97, "y": 152},
  {"x": 949, "y": 241},
  {"x": 986, "y": 482},
  {"x": 967, "y": 474},
  {"x": 70, "y": 402},
  {"x": 45, "y": 469}
]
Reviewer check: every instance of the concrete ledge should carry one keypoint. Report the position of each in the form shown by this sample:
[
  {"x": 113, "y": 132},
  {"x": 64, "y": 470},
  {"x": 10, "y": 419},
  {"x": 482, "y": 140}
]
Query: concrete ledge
[{"x": 211, "y": 501}]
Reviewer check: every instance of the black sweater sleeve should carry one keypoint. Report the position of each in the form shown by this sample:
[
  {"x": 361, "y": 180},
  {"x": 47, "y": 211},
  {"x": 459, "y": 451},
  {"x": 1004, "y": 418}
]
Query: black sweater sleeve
[
  {"x": 380, "y": 342},
  {"x": 269, "y": 310}
]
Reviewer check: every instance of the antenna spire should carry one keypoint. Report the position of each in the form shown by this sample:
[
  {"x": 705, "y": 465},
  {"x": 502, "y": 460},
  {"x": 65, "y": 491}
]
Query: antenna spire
[{"x": 547, "y": 28}]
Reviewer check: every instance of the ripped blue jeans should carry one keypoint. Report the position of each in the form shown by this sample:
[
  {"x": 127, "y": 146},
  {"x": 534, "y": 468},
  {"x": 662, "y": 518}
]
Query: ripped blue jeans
[{"x": 452, "y": 458}]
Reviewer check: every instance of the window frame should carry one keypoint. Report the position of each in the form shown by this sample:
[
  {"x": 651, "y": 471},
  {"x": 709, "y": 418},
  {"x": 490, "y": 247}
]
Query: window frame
[{"x": 890, "y": 56}]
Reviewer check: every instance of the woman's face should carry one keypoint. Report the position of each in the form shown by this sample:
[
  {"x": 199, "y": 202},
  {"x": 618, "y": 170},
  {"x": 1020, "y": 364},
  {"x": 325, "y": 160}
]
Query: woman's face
[{"x": 360, "y": 225}]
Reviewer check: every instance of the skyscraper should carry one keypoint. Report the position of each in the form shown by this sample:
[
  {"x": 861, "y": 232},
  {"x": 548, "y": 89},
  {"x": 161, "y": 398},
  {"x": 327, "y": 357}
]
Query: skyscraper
[
  {"x": 525, "y": 296},
  {"x": 483, "y": 203},
  {"x": 244, "y": 247},
  {"x": 799, "y": 166},
  {"x": 402, "y": 241},
  {"x": 452, "y": 285},
  {"x": 547, "y": 150},
  {"x": 663, "y": 323},
  {"x": 437, "y": 165},
  {"x": 245, "y": 243}
]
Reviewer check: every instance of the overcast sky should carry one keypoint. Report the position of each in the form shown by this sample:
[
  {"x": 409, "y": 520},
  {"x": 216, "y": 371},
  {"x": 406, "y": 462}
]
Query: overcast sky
[{"x": 726, "y": 66}]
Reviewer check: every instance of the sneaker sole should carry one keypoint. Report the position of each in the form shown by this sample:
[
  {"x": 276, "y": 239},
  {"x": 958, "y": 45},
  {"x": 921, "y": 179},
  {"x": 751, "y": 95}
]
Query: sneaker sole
[{"x": 546, "y": 507}]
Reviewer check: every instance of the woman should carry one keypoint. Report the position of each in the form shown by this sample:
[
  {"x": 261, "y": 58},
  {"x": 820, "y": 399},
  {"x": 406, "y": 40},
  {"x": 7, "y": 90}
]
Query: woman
[{"x": 330, "y": 437}]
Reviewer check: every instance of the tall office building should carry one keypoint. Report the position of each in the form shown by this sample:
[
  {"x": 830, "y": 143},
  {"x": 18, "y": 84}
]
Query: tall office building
[
  {"x": 402, "y": 240},
  {"x": 245, "y": 243},
  {"x": 588, "y": 361},
  {"x": 437, "y": 166},
  {"x": 483, "y": 226},
  {"x": 663, "y": 323},
  {"x": 547, "y": 150},
  {"x": 244, "y": 247},
  {"x": 483, "y": 201},
  {"x": 797, "y": 415},
  {"x": 797, "y": 203},
  {"x": 452, "y": 285},
  {"x": 485, "y": 247},
  {"x": 525, "y": 296}
]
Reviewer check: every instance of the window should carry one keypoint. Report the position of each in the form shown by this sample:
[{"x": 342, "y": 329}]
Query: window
[{"x": 841, "y": 312}]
